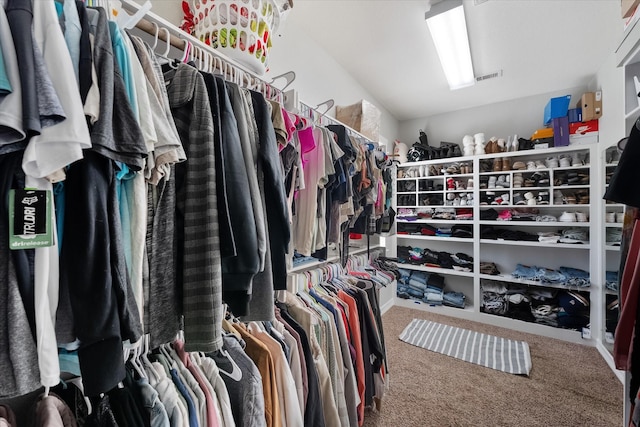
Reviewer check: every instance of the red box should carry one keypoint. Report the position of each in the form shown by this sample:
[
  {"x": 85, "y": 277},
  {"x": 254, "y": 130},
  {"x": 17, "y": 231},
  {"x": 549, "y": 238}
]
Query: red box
[{"x": 586, "y": 128}]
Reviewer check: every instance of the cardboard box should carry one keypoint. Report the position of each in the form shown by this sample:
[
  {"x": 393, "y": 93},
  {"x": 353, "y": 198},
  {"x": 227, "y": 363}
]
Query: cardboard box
[
  {"x": 575, "y": 115},
  {"x": 363, "y": 117},
  {"x": 560, "y": 131},
  {"x": 628, "y": 7},
  {"x": 584, "y": 133},
  {"x": 542, "y": 133},
  {"x": 582, "y": 129},
  {"x": 584, "y": 139},
  {"x": 541, "y": 144},
  {"x": 591, "y": 105},
  {"x": 556, "y": 107}
]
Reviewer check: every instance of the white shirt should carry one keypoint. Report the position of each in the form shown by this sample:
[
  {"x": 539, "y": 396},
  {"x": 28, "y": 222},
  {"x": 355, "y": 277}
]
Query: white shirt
[{"x": 62, "y": 144}]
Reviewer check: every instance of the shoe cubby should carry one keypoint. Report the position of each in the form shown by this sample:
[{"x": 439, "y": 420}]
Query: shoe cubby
[
  {"x": 531, "y": 207},
  {"x": 613, "y": 218}
]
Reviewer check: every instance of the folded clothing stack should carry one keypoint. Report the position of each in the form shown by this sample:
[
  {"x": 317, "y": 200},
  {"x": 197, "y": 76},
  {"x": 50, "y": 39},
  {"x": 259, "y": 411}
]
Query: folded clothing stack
[
  {"x": 425, "y": 256},
  {"x": 427, "y": 287},
  {"x": 489, "y": 232},
  {"x": 552, "y": 307},
  {"x": 566, "y": 276}
]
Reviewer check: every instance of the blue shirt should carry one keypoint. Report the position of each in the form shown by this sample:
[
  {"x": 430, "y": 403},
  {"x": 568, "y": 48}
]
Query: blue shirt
[
  {"x": 5, "y": 85},
  {"x": 193, "y": 418}
]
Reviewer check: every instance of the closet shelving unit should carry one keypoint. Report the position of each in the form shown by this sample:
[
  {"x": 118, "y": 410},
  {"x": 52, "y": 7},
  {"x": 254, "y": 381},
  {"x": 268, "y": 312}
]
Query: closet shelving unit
[{"x": 507, "y": 253}]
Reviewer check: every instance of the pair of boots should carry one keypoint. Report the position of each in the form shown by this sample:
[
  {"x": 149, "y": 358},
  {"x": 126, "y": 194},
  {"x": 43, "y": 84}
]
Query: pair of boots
[{"x": 502, "y": 164}]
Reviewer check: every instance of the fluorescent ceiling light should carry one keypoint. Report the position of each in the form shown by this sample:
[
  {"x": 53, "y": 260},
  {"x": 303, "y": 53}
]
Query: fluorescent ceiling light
[{"x": 448, "y": 29}]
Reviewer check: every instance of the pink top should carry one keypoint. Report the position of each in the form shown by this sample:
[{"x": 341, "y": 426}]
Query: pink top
[{"x": 212, "y": 413}]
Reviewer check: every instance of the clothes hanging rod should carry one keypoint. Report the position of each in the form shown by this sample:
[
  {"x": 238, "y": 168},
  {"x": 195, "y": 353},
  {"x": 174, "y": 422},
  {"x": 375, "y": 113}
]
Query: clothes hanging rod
[
  {"x": 178, "y": 39},
  {"x": 338, "y": 122}
]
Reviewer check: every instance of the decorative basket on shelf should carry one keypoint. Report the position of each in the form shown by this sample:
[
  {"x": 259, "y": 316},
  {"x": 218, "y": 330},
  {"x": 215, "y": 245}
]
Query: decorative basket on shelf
[{"x": 241, "y": 29}]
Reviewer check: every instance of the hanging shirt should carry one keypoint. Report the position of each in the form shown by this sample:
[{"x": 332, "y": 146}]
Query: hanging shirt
[
  {"x": 121, "y": 53},
  {"x": 243, "y": 382},
  {"x": 5, "y": 84},
  {"x": 199, "y": 273},
  {"x": 72, "y": 33},
  {"x": 61, "y": 144},
  {"x": 12, "y": 133}
]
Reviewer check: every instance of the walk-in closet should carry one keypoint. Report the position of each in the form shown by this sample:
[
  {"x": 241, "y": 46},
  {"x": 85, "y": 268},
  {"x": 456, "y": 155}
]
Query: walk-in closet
[{"x": 290, "y": 213}]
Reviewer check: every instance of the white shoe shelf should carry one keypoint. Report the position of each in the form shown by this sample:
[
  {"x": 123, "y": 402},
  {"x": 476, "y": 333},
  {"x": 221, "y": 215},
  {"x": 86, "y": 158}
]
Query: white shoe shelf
[{"x": 577, "y": 212}]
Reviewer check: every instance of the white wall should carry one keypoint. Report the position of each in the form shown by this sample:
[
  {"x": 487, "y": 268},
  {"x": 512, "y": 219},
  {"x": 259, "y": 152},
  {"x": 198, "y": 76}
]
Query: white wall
[
  {"x": 318, "y": 76},
  {"x": 610, "y": 80},
  {"x": 521, "y": 116}
]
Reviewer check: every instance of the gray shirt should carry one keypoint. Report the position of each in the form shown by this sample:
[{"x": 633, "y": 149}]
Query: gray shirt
[{"x": 244, "y": 383}]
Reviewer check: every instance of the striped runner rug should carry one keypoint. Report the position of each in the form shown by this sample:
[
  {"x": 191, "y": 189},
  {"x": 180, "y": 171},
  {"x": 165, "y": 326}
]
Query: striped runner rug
[{"x": 481, "y": 349}]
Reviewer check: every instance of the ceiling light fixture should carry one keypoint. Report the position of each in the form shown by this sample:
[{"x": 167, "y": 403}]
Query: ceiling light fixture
[{"x": 448, "y": 28}]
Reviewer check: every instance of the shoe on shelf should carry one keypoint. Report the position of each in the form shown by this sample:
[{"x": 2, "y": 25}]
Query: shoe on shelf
[
  {"x": 558, "y": 197},
  {"x": 486, "y": 165},
  {"x": 492, "y": 182},
  {"x": 565, "y": 161},
  {"x": 505, "y": 199},
  {"x": 470, "y": 184},
  {"x": 582, "y": 197},
  {"x": 529, "y": 196},
  {"x": 543, "y": 197},
  {"x": 569, "y": 200},
  {"x": 519, "y": 166},
  {"x": 518, "y": 199},
  {"x": 540, "y": 165},
  {"x": 531, "y": 166},
  {"x": 497, "y": 165},
  {"x": 528, "y": 182},
  {"x": 551, "y": 162},
  {"x": 582, "y": 217},
  {"x": 501, "y": 182},
  {"x": 517, "y": 180},
  {"x": 567, "y": 217},
  {"x": 453, "y": 169},
  {"x": 620, "y": 217},
  {"x": 576, "y": 159},
  {"x": 506, "y": 163},
  {"x": 610, "y": 217}
]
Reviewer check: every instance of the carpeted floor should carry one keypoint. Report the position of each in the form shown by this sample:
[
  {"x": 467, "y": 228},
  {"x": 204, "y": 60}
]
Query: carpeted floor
[{"x": 569, "y": 384}]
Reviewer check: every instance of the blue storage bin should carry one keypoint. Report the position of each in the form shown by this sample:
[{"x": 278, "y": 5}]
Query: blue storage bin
[{"x": 556, "y": 107}]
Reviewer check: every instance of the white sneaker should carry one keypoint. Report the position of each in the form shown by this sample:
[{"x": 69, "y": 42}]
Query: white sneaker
[
  {"x": 470, "y": 184},
  {"x": 565, "y": 161},
  {"x": 551, "y": 162},
  {"x": 540, "y": 165},
  {"x": 531, "y": 166},
  {"x": 611, "y": 217},
  {"x": 576, "y": 160},
  {"x": 582, "y": 217},
  {"x": 620, "y": 217},
  {"x": 567, "y": 217},
  {"x": 492, "y": 182}
]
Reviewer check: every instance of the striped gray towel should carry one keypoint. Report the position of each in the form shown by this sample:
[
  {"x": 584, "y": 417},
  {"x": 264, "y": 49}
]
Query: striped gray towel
[{"x": 485, "y": 350}]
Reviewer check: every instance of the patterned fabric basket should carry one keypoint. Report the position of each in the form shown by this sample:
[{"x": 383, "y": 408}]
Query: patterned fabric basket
[{"x": 241, "y": 29}]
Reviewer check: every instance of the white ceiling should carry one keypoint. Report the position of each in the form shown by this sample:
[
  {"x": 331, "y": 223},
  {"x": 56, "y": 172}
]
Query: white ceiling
[{"x": 541, "y": 46}]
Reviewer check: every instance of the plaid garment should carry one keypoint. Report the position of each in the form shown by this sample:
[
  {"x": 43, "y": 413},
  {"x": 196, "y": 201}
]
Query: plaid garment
[{"x": 198, "y": 271}]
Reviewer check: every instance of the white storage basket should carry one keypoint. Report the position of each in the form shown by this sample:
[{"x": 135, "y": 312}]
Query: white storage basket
[{"x": 241, "y": 29}]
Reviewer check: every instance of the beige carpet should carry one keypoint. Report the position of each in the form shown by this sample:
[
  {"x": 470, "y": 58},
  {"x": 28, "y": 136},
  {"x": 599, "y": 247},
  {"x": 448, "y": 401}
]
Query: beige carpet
[{"x": 569, "y": 384}]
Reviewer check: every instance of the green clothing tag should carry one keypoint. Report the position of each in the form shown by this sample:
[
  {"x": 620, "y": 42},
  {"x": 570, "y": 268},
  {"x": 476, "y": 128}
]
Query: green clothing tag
[{"x": 30, "y": 219}]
